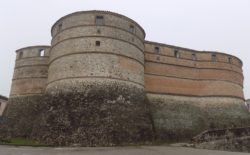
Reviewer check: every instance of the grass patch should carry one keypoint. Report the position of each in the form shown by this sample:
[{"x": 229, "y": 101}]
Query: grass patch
[{"x": 21, "y": 142}]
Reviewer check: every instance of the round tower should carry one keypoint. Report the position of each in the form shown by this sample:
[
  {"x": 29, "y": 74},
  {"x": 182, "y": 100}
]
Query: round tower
[
  {"x": 31, "y": 71},
  {"x": 28, "y": 86},
  {"x": 96, "y": 80},
  {"x": 96, "y": 49}
]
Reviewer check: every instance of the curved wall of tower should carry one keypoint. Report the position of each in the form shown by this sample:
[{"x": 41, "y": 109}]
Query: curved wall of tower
[
  {"x": 101, "y": 83},
  {"x": 31, "y": 71},
  {"x": 98, "y": 56},
  {"x": 28, "y": 86},
  {"x": 96, "y": 48},
  {"x": 191, "y": 91}
]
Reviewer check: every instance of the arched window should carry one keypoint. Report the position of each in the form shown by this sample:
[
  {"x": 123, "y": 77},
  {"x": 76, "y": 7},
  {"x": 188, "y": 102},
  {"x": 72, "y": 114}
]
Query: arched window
[
  {"x": 157, "y": 49},
  {"x": 41, "y": 52},
  {"x": 176, "y": 54}
]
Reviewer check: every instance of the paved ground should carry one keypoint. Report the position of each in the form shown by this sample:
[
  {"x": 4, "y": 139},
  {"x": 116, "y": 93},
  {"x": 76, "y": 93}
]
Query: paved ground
[{"x": 142, "y": 150}]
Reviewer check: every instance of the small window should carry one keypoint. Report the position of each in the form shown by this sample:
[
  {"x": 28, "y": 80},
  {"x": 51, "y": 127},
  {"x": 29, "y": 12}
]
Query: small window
[
  {"x": 176, "y": 54},
  {"x": 230, "y": 60},
  {"x": 98, "y": 43},
  {"x": 194, "y": 58},
  {"x": 41, "y": 52},
  {"x": 99, "y": 31},
  {"x": 157, "y": 58},
  {"x": 157, "y": 49},
  {"x": 240, "y": 63},
  {"x": 99, "y": 20},
  {"x": 59, "y": 27},
  {"x": 20, "y": 55},
  {"x": 132, "y": 29},
  {"x": 214, "y": 58}
]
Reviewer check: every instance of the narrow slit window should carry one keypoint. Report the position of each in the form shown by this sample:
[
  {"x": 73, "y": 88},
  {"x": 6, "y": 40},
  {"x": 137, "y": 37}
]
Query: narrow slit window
[
  {"x": 99, "y": 20},
  {"x": 20, "y": 55},
  {"x": 132, "y": 29},
  {"x": 41, "y": 52},
  {"x": 176, "y": 54},
  {"x": 157, "y": 49},
  {"x": 59, "y": 27},
  {"x": 230, "y": 60},
  {"x": 98, "y": 43},
  {"x": 214, "y": 58},
  {"x": 240, "y": 63},
  {"x": 194, "y": 58}
]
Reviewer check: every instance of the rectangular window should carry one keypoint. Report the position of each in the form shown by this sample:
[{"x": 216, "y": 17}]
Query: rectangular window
[
  {"x": 214, "y": 58},
  {"x": 194, "y": 57},
  {"x": 132, "y": 29},
  {"x": 98, "y": 43},
  {"x": 59, "y": 27},
  {"x": 99, "y": 20},
  {"x": 20, "y": 55},
  {"x": 176, "y": 54},
  {"x": 230, "y": 60},
  {"x": 157, "y": 50}
]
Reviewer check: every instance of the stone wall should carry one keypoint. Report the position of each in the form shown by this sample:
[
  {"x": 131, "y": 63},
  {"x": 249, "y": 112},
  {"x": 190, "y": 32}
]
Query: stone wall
[
  {"x": 31, "y": 71},
  {"x": 28, "y": 86},
  {"x": 120, "y": 88},
  {"x": 190, "y": 91},
  {"x": 191, "y": 73},
  {"x": 179, "y": 117},
  {"x": 3, "y": 104},
  {"x": 101, "y": 63},
  {"x": 83, "y": 52}
]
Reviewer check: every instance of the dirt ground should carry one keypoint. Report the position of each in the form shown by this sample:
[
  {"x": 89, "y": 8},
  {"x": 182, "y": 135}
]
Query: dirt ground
[{"x": 140, "y": 150}]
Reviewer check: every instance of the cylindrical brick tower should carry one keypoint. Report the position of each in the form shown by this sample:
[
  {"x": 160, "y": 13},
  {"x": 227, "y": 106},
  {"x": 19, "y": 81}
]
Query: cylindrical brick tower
[
  {"x": 31, "y": 71},
  {"x": 96, "y": 49},
  {"x": 96, "y": 80},
  {"x": 191, "y": 91},
  {"x": 28, "y": 86}
]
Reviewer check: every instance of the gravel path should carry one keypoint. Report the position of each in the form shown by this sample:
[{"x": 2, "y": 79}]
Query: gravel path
[{"x": 141, "y": 150}]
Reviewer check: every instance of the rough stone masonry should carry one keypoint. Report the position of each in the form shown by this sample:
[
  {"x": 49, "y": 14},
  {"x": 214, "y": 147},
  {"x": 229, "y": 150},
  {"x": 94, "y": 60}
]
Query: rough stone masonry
[{"x": 100, "y": 83}]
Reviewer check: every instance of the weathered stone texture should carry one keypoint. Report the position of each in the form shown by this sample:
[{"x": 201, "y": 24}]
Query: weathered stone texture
[
  {"x": 100, "y": 115},
  {"x": 31, "y": 71},
  {"x": 89, "y": 87},
  {"x": 183, "y": 117},
  {"x": 21, "y": 115}
]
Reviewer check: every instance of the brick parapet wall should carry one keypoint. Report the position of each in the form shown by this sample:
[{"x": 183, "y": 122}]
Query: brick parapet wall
[{"x": 191, "y": 73}]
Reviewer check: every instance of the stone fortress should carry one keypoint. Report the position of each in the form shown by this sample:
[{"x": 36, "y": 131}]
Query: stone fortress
[{"x": 104, "y": 55}]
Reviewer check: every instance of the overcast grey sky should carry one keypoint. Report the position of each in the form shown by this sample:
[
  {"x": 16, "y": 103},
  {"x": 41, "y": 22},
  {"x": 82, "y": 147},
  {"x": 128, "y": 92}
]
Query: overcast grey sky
[{"x": 215, "y": 25}]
